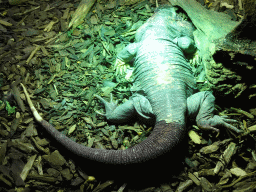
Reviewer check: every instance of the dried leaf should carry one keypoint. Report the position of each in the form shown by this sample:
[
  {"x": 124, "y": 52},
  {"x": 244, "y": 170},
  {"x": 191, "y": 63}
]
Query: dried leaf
[
  {"x": 72, "y": 129},
  {"x": 225, "y": 178},
  {"x": 252, "y": 128},
  {"x": 225, "y": 159},
  {"x": 211, "y": 148},
  {"x": 27, "y": 167},
  {"x": 225, "y": 4},
  {"x": 194, "y": 137},
  {"x": 94, "y": 20},
  {"x": 101, "y": 124},
  {"x": 89, "y": 121},
  {"x": 238, "y": 172},
  {"x": 194, "y": 178},
  {"x": 5, "y": 23}
]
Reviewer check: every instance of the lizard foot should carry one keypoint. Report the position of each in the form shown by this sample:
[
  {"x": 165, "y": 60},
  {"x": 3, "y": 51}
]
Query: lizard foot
[
  {"x": 109, "y": 106},
  {"x": 218, "y": 121}
]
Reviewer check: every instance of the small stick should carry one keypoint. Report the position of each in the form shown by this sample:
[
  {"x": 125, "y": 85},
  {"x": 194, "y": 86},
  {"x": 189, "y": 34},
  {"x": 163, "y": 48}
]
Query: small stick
[
  {"x": 157, "y": 4},
  {"x": 16, "y": 95}
]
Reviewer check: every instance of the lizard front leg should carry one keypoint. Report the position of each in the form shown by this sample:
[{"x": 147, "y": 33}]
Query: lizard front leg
[{"x": 201, "y": 107}]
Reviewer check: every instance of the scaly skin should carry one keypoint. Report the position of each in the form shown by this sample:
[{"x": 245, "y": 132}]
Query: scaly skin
[{"x": 164, "y": 89}]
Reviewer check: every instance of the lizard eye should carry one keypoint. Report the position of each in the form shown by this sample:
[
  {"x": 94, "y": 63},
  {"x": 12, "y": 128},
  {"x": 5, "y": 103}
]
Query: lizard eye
[{"x": 186, "y": 44}]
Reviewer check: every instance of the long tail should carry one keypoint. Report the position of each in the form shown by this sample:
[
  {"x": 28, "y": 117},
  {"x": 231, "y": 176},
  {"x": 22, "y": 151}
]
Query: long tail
[{"x": 162, "y": 139}]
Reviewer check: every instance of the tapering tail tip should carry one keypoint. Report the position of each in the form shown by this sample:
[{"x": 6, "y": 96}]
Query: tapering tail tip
[{"x": 32, "y": 107}]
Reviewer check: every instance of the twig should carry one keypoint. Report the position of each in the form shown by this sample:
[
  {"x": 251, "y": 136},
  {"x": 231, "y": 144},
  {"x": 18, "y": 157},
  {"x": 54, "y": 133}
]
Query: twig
[
  {"x": 16, "y": 95},
  {"x": 157, "y": 4},
  {"x": 33, "y": 53}
]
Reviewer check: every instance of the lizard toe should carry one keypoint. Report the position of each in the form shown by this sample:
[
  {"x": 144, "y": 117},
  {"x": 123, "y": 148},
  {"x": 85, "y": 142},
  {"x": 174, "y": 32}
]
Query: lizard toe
[
  {"x": 102, "y": 114},
  {"x": 109, "y": 106},
  {"x": 208, "y": 128},
  {"x": 218, "y": 121}
]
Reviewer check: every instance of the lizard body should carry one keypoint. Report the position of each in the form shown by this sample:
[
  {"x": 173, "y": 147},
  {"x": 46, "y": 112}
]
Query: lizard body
[{"x": 164, "y": 88}]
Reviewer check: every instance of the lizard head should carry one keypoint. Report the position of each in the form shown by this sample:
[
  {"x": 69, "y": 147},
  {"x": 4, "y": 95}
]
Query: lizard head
[
  {"x": 186, "y": 44},
  {"x": 168, "y": 22}
]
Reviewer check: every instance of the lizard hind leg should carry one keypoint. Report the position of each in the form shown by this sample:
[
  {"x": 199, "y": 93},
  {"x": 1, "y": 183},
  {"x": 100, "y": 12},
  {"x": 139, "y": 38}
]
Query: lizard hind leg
[
  {"x": 117, "y": 114},
  {"x": 201, "y": 106},
  {"x": 109, "y": 106}
]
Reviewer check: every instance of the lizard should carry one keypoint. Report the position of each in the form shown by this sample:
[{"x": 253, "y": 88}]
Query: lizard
[{"x": 164, "y": 88}]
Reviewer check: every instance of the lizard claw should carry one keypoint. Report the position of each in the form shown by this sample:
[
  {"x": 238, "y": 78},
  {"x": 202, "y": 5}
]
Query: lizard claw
[
  {"x": 100, "y": 113},
  {"x": 218, "y": 121},
  {"x": 109, "y": 106}
]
